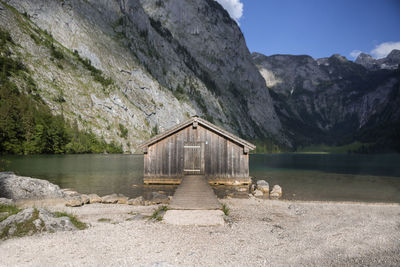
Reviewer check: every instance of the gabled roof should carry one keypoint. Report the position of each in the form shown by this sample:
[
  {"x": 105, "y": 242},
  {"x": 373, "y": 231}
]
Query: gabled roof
[{"x": 203, "y": 123}]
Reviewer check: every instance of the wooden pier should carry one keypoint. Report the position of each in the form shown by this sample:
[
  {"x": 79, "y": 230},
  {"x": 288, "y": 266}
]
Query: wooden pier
[{"x": 194, "y": 193}]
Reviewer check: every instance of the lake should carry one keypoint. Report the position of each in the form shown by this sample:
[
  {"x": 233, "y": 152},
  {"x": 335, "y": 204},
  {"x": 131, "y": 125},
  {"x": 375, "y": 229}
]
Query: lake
[{"x": 326, "y": 177}]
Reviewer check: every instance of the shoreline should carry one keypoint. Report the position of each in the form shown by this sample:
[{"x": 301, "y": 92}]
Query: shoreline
[{"x": 258, "y": 232}]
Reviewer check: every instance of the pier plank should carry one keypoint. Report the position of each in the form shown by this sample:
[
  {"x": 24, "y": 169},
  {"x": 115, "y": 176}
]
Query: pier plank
[{"x": 194, "y": 193}]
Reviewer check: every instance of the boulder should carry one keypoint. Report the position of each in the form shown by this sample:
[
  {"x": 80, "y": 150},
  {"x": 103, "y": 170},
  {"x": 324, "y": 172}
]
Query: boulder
[
  {"x": 54, "y": 224},
  {"x": 157, "y": 198},
  {"x": 85, "y": 199},
  {"x": 136, "y": 201},
  {"x": 74, "y": 201},
  {"x": 263, "y": 186},
  {"x": 34, "y": 220},
  {"x": 21, "y": 187},
  {"x": 6, "y": 201},
  {"x": 94, "y": 198},
  {"x": 276, "y": 192}
]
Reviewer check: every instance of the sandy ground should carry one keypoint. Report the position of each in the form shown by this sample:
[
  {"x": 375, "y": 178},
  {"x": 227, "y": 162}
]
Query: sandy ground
[{"x": 262, "y": 232}]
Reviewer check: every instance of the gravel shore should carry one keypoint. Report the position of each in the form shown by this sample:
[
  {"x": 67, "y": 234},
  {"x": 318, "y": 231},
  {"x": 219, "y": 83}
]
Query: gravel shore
[{"x": 260, "y": 232}]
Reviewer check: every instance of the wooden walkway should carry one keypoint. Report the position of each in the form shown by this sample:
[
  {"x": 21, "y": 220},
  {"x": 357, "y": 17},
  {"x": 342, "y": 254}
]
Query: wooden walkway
[{"x": 194, "y": 193}]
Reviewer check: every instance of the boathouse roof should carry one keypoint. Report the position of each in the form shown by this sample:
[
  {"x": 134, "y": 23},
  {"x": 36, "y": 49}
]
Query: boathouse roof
[{"x": 195, "y": 120}]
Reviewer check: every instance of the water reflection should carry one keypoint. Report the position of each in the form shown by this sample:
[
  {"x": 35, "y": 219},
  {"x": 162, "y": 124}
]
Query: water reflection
[{"x": 303, "y": 177}]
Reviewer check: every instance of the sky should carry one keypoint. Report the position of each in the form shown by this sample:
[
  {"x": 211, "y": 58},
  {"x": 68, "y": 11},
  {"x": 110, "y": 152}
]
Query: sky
[{"x": 318, "y": 28}]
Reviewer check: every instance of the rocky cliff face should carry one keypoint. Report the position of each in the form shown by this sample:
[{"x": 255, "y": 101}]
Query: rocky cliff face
[
  {"x": 330, "y": 100},
  {"x": 165, "y": 60},
  {"x": 218, "y": 54},
  {"x": 390, "y": 62}
]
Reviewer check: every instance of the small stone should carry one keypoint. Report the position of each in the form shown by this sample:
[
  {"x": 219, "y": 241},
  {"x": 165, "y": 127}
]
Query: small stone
[
  {"x": 136, "y": 201},
  {"x": 122, "y": 199},
  {"x": 94, "y": 198},
  {"x": 74, "y": 201},
  {"x": 110, "y": 199},
  {"x": 276, "y": 192},
  {"x": 263, "y": 186},
  {"x": 258, "y": 193},
  {"x": 85, "y": 199}
]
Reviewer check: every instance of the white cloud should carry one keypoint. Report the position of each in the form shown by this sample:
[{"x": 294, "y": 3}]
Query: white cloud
[
  {"x": 234, "y": 8},
  {"x": 355, "y": 53},
  {"x": 383, "y": 49}
]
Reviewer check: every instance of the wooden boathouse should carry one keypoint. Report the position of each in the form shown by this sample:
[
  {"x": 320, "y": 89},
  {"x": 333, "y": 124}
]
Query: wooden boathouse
[{"x": 196, "y": 147}]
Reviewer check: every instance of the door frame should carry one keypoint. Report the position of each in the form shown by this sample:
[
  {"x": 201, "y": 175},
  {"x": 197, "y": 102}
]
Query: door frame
[{"x": 194, "y": 145}]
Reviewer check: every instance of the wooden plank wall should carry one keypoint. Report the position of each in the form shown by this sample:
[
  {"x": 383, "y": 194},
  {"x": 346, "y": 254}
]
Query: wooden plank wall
[{"x": 222, "y": 157}]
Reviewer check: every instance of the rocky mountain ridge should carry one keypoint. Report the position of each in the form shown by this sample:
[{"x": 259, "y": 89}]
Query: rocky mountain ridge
[
  {"x": 333, "y": 100},
  {"x": 390, "y": 62},
  {"x": 158, "y": 73}
]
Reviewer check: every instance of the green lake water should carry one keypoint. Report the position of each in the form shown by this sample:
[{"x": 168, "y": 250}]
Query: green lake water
[{"x": 330, "y": 177}]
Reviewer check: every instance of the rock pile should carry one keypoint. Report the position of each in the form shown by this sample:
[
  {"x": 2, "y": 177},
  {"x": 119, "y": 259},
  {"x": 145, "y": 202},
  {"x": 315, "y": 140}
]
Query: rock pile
[
  {"x": 14, "y": 187},
  {"x": 261, "y": 190},
  {"x": 77, "y": 200}
]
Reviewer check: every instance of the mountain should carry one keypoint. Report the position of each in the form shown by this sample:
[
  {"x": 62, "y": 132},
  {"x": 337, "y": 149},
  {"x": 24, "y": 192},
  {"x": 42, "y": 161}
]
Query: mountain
[
  {"x": 333, "y": 100},
  {"x": 87, "y": 75},
  {"x": 129, "y": 69},
  {"x": 390, "y": 62}
]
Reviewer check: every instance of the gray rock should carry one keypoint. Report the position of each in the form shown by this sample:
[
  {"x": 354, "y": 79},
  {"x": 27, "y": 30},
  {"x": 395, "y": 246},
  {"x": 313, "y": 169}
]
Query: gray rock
[
  {"x": 122, "y": 199},
  {"x": 73, "y": 201},
  {"x": 43, "y": 220},
  {"x": 110, "y": 199},
  {"x": 263, "y": 186},
  {"x": 276, "y": 192},
  {"x": 54, "y": 224},
  {"x": 157, "y": 198},
  {"x": 85, "y": 199},
  {"x": 136, "y": 201},
  {"x": 94, "y": 198},
  {"x": 114, "y": 199},
  {"x": 21, "y": 187},
  {"x": 6, "y": 201}
]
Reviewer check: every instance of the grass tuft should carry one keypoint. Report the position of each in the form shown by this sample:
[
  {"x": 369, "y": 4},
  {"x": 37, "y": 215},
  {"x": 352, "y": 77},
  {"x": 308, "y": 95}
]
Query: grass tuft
[
  {"x": 10, "y": 209},
  {"x": 104, "y": 220},
  {"x": 77, "y": 223},
  {"x": 225, "y": 209},
  {"x": 158, "y": 213}
]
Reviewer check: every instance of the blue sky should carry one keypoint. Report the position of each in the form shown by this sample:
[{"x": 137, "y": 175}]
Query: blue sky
[{"x": 318, "y": 28}]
